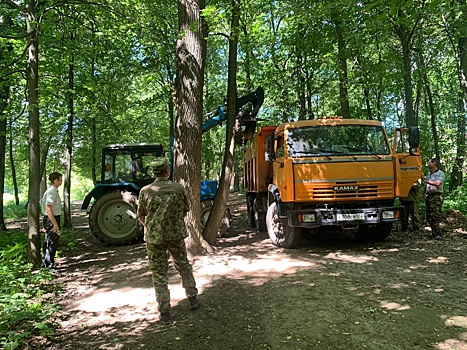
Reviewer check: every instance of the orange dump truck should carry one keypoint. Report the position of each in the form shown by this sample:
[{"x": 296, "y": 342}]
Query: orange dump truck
[{"x": 328, "y": 173}]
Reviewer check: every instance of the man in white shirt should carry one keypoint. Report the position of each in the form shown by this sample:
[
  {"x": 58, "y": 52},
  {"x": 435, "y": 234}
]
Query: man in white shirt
[{"x": 51, "y": 209}]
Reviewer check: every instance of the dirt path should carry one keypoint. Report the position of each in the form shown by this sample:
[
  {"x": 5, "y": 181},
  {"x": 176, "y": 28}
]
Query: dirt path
[{"x": 332, "y": 293}]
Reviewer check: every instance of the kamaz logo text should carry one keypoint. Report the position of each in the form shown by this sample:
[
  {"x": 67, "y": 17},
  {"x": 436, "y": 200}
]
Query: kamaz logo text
[{"x": 346, "y": 188}]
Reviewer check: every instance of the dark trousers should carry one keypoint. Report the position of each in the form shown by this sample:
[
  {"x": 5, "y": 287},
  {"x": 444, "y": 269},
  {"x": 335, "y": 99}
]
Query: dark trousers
[
  {"x": 434, "y": 214},
  {"x": 50, "y": 242}
]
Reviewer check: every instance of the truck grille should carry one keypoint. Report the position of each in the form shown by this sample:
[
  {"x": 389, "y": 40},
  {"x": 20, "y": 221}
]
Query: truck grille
[{"x": 344, "y": 191}]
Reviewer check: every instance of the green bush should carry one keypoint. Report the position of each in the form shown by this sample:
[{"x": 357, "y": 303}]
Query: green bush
[
  {"x": 24, "y": 312},
  {"x": 456, "y": 200}
]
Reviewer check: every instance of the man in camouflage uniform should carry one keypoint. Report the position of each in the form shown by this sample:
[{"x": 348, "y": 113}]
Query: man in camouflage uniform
[
  {"x": 410, "y": 204},
  {"x": 434, "y": 197},
  {"x": 161, "y": 209}
]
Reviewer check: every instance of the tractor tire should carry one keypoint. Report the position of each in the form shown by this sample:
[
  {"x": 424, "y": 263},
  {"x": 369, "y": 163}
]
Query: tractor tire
[
  {"x": 373, "y": 233},
  {"x": 206, "y": 207},
  {"x": 113, "y": 219},
  {"x": 280, "y": 233}
]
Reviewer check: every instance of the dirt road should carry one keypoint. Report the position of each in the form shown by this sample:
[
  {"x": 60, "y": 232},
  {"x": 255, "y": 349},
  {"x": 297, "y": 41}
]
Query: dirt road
[{"x": 333, "y": 292}]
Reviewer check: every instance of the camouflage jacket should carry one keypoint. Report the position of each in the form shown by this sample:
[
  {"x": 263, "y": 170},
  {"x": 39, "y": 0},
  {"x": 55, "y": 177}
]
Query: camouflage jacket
[{"x": 164, "y": 204}]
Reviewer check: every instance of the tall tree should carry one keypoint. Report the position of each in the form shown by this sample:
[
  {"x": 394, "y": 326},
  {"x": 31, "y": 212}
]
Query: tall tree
[
  {"x": 457, "y": 33},
  {"x": 33, "y": 18},
  {"x": 218, "y": 211},
  {"x": 4, "y": 93},
  {"x": 191, "y": 53},
  {"x": 69, "y": 140},
  {"x": 342, "y": 63}
]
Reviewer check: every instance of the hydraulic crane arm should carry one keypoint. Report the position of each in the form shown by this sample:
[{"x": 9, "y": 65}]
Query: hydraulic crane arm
[{"x": 246, "y": 109}]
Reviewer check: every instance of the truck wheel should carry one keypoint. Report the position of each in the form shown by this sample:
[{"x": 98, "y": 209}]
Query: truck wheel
[
  {"x": 250, "y": 212},
  {"x": 280, "y": 233},
  {"x": 260, "y": 216},
  {"x": 113, "y": 218},
  {"x": 373, "y": 233}
]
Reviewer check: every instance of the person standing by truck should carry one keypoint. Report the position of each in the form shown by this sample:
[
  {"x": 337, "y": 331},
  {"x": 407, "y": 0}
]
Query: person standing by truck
[
  {"x": 434, "y": 181},
  {"x": 411, "y": 211},
  {"x": 162, "y": 207},
  {"x": 51, "y": 209}
]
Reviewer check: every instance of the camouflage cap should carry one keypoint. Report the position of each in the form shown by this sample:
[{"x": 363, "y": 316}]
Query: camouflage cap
[{"x": 159, "y": 164}]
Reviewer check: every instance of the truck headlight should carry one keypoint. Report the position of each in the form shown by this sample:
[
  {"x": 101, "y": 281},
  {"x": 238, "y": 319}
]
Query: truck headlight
[
  {"x": 389, "y": 214},
  {"x": 309, "y": 217}
]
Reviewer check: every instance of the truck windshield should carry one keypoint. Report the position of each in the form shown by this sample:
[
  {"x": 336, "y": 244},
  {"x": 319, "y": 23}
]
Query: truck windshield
[{"x": 324, "y": 140}]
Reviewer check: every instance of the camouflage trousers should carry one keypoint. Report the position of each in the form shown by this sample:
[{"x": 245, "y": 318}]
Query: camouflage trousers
[
  {"x": 434, "y": 215},
  {"x": 410, "y": 211},
  {"x": 158, "y": 255}
]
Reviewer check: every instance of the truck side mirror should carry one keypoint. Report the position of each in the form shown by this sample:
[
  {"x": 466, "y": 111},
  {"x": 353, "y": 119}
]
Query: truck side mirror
[
  {"x": 414, "y": 137},
  {"x": 270, "y": 155}
]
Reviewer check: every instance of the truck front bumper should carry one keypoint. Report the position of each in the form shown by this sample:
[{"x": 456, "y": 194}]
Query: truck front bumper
[{"x": 328, "y": 217}]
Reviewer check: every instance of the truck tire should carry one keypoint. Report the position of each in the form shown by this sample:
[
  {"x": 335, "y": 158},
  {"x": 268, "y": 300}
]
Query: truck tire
[
  {"x": 113, "y": 218},
  {"x": 250, "y": 211},
  {"x": 280, "y": 233},
  {"x": 260, "y": 216},
  {"x": 373, "y": 233}
]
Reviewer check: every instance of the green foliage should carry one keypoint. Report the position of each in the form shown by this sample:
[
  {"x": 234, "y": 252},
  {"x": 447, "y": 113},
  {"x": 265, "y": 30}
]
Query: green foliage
[
  {"x": 12, "y": 211},
  {"x": 80, "y": 187},
  {"x": 457, "y": 200},
  {"x": 24, "y": 311}
]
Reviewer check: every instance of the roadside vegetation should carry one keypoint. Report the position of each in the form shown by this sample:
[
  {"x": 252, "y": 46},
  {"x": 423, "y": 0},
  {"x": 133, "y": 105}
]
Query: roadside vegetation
[{"x": 26, "y": 296}]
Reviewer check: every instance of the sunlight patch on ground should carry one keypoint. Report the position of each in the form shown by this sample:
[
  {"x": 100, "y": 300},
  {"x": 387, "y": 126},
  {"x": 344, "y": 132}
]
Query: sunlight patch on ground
[
  {"x": 392, "y": 250},
  {"x": 238, "y": 266},
  {"x": 439, "y": 260},
  {"x": 457, "y": 321},
  {"x": 452, "y": 344},
  {"x": 358, "y": 259},
  {"x": 415, "y": 267},
  {"x": 104, "y": 299},
  {"x": 394, "y": 306}
]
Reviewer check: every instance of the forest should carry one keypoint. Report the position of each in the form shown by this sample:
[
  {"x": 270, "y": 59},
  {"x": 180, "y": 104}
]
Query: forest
[{"x": 78, "y": 75}]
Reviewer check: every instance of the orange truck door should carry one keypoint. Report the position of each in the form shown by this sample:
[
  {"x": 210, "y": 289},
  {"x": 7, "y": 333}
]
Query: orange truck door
[{"x": 409, "y": 161}]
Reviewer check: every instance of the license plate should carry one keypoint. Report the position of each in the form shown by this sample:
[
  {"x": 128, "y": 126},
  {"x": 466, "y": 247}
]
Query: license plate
[{"x": 350, "y": 217}]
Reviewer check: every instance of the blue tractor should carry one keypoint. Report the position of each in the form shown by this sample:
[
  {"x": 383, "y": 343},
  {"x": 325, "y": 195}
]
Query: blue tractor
[{"x": 125, "y": 170}]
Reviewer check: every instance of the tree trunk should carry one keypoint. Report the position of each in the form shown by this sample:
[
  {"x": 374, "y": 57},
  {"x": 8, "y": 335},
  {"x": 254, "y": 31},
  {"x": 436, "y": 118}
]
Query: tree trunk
[
  {"x": 302, "y": 114},
  {"x": 405, "y": 37},
  {"x": 431, "y": 105},
  {"x": 69, "y": 142},
  {"x": 191, "y": 53},
  {"x": 309, "y": 96},
  {"x": 342, "y": 64},
  {"x": 12, "y": 165},
  {"x": 456, "y": 175},
  {"x": 32, "y": 77},
  {"x": 220, "y": 203},
  {"x": 4, "y": 94}
]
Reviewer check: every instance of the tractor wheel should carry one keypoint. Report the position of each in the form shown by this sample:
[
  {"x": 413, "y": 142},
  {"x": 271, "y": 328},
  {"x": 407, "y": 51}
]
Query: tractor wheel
[
  {"x": 113, "y": 218},
  {"x": 373, "y": 233},
  {"x": 280, "y": 233},
  {"x": 206, "y": 207}
]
